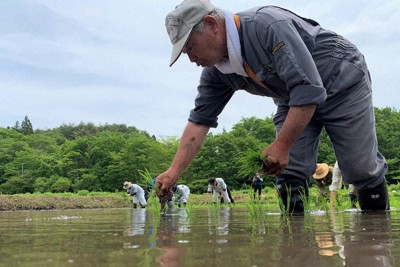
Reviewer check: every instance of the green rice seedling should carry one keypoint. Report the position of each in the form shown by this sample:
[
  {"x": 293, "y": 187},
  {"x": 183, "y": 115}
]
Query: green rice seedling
[
  {"x": 250, "y": 195},
  {"x": 252, "y": 209},
  {"x": 250, "y": 162},
  {"x": 255, "y": 209},
  {"x": 154, "y": 229},
  {"x": 154, "y": 205},
  {"x": 189, "y": 210},
  {"x": 285, "y": 210},
  {"x": 322, "y": 203},
  {"x": 394, "y": 198},
  {"x": 215, "y": 207},
  {"x": 153, "y": 199},
  {"x": 306, "y": 201},
  {"x": 258, "y": 229},
  {"x": 146, "y": 175},
  {"x": 147, "y": 259}
]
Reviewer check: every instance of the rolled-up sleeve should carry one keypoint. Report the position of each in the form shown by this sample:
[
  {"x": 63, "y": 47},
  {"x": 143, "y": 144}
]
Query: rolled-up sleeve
[{"x": 213, "y": 95}]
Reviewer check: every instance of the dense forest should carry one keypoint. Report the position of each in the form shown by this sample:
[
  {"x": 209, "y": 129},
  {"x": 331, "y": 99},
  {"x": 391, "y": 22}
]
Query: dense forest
[{"x": 72, "y": 158}]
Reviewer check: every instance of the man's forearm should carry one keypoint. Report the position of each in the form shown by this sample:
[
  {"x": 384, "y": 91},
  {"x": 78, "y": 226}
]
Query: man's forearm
[
  {"x": 332, "y": 197},
  {"x": 297, "y": 119},
  {"x": 191, "y": 141}
]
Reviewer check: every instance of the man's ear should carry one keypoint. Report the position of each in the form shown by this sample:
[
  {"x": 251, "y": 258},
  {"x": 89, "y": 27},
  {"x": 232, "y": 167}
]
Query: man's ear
[{"x": 212, "y": 22}]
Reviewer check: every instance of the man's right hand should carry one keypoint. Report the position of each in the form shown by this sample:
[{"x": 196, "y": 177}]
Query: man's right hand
[
  {"x": 165, "y": 182},
  {"x": 277, "y": 156},
  {"x": 191, "y": 141}
]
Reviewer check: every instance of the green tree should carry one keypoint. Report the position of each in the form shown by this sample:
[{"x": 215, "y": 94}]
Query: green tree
[
  {"x": 26, "y": 126},
  {"x": 17, "y": 185},
  {"x": 61, "y": 185},
  {"x": 388, "y": 133},
  {"x": 42, "y": 185}
]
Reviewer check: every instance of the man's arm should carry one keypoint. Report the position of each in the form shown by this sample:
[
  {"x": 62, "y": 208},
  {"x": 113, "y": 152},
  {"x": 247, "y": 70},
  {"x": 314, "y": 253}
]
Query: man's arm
[
  {"x": 277, "y": 152},
  {"x": 336, "y": 183},
  {"x": 332, "y": 197},
  {"x": 191, "y": 141},
  {"x": 320, "y": 187}
]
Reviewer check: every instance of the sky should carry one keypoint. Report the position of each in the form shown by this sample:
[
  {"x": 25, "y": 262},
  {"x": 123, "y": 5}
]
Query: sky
[{"x": 106, "y": 62}]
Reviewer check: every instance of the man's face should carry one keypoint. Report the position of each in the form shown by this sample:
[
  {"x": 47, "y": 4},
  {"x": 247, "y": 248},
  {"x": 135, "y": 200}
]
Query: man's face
[
  {"x": 204, "y": 48},
  {"x": 327, "y": 180}
]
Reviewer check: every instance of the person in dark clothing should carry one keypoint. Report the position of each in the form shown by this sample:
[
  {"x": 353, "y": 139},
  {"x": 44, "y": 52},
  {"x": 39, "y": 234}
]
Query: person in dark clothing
[{"x": 257, "y": 185}]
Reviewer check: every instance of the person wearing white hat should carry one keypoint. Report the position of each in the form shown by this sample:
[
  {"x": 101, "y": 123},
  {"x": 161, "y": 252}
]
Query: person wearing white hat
[
  {"x": 326, "y": 176},
  {"x": 137, "y": 194},
  {"x": 316, "y": 78}
]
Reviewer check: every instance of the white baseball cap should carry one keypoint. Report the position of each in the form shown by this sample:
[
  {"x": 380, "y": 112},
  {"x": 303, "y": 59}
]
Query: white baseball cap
[{"x": 181, "y": 21}]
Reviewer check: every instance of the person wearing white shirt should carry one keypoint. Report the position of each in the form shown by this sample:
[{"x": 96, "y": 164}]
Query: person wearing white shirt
[
  {"x": 137, "y": 194},
  {"x": 217, "y": 186},
  {"x": 182, "y": 192},
  {"x": 325, "y": 175}
]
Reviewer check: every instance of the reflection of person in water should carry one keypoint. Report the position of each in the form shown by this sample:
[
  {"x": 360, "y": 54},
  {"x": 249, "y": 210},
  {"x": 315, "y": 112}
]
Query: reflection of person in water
[
  {"x": 368, "y": 242},
  {"x": 183, "y": 221},
  {"x": 138, "y": 223},
  {"x": 327, "y": 245},
  {"x": 295, "y": 238},
  {"x": 166, "y": 242},
  {"x": 219, "y": 225}
]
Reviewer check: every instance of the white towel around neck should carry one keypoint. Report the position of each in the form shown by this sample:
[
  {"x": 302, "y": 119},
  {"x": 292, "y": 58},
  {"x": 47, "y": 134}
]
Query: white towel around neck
[{"x": 234, "y": 63}]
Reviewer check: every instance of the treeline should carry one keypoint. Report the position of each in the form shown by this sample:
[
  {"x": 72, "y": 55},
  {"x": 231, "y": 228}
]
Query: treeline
[{"x": 73, "y": 158}]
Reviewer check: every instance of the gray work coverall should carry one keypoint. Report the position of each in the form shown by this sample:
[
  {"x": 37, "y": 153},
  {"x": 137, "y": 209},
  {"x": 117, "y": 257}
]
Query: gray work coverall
[{"x": 303, "y": 64}]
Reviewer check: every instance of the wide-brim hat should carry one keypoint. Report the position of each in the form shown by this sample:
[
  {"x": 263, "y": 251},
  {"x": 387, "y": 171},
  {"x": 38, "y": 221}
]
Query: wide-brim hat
[
  {"x": 321, "y": 171},
  {"x": 180, "y": 23},
  {"x": 127, "y": 184}
]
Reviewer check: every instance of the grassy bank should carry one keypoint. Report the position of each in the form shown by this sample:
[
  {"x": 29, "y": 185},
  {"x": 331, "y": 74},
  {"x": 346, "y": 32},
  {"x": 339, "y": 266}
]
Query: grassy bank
[
  {"x": 46, "y": 202},
  {"x": 95, "y": 200}
]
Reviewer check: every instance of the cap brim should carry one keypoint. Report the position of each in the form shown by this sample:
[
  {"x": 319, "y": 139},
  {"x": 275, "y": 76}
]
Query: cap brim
[{"x": 178, "y": 47}]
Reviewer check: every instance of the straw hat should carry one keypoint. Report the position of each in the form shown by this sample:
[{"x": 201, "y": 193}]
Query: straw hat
[
  {"x": 327, "y": 252},
  {"x": 127, "y": 184},
  {"x": 325, "y": 241},
  {"x": 321, "y": 171}
]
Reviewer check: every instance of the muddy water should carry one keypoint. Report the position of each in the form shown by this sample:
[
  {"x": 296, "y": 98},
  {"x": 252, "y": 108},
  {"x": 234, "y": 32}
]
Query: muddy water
[{"x": 200, "y": 237}]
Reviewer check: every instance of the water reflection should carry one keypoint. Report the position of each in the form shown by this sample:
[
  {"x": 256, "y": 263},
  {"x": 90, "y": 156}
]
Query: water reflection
[
  {"x": 183, "y": 222},
  {"x": 358, "y": 239},
  {"x": 295, "y": 239},
  {"x": 171, "y": 253},
  {"x": 200, "y": 237},
  {"x": 138, "y": 223},
  {"x": 219, "y": 219},
  {"x": 368, "y": 241}
]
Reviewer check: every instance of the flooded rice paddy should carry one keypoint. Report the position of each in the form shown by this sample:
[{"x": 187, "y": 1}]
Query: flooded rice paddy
[{"x": 223, "y": 236}]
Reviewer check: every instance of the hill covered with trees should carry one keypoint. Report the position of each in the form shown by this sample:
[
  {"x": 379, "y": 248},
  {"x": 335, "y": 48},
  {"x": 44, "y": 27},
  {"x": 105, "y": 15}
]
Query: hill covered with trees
[{"x": 72, "y": 158}]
